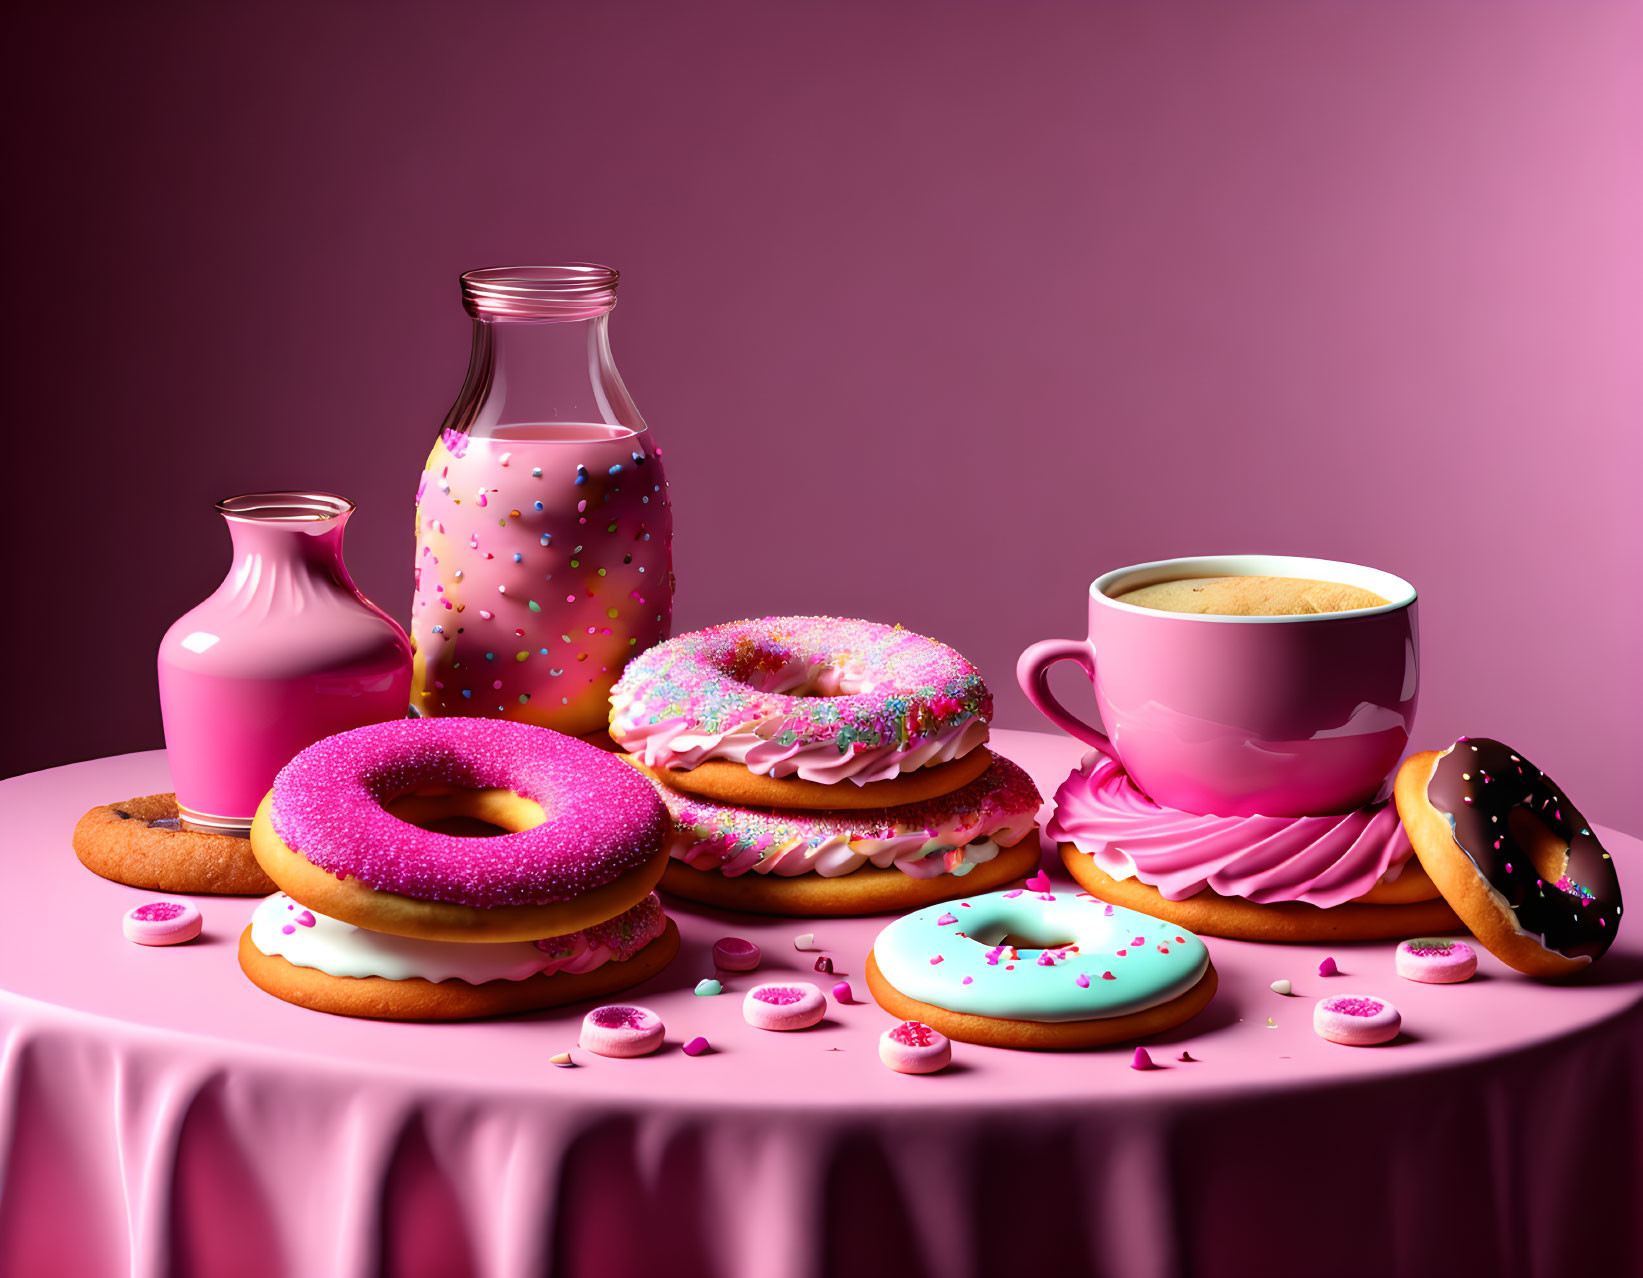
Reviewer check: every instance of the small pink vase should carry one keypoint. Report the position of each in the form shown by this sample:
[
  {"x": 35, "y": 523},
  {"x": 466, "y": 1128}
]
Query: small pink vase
[{"x": 285, "y": 652}]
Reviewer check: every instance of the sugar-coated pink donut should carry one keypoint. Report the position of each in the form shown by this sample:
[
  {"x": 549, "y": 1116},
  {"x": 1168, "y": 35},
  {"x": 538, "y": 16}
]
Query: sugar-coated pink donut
[
  {"x": 1436, "y": 960},
  {"x": 162, "y": 922},
  {"x": 603, "y": 818},
  {"x": 621, "y": 1029},
  {"x": 784, "y": 1005},
  {"x": 1358, "y": 1020},
  {"x": 733, "y": 954},
  {"x": 826, "y": 698},
  {"x": 914, "y": 1048}
]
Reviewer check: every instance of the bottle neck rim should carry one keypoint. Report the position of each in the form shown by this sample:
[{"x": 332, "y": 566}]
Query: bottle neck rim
[
  {"x": 566, "y": 291},
  {"x": 285, "y": 508}
]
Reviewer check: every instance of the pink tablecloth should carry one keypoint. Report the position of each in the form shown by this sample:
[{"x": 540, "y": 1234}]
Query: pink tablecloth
[{"x": 159, "y": 1115}]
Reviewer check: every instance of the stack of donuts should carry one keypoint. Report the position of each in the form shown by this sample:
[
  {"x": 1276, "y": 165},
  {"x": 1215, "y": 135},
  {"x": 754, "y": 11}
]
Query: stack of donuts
[
  {"x": 441, "y": 869},
  {"x": 818, "y": 766}
]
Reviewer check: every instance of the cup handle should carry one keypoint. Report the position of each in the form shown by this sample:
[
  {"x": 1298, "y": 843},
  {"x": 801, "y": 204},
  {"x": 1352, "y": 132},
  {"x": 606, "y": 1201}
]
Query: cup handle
[{"x": 1032, "y": 673}]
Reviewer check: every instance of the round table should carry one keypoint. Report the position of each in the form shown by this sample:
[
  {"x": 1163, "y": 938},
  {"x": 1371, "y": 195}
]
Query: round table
[{"x": 159, "y": 1115}]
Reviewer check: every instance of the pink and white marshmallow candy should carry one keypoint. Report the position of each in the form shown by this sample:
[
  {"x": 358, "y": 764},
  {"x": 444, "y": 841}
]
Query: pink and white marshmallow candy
[
  {"x": 784, "y": 1005},
  {"x": 162, "y": 923},
  {"x": 621, "y": 1030},
  {"x": 733, "y": 954},
  {"x": 1357, "y": 1020},
  {"x": 914, "y": 1048},
  {"x": 1436, "y": 960}
]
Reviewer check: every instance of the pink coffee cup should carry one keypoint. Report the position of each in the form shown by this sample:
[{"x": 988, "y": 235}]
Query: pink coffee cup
[{"x": 1239, "y": 716}]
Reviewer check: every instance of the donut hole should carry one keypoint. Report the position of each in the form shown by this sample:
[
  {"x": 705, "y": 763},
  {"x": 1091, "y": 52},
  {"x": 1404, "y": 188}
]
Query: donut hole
[
  {"x": 1546, "y": 849},
  {"x": 797, "y": 678},
  {"x": 1026, "y": 938},
  {"x": 467, "y": 814}
]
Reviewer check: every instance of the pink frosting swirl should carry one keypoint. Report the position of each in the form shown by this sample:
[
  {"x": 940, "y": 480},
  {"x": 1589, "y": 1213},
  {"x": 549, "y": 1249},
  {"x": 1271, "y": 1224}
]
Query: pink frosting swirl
[
  {"x": 1323, "y": 861},
  {"x": 939, "y": 836},
  {"x": 603, "y": 818},
  {"x": 823, "y": 698}
]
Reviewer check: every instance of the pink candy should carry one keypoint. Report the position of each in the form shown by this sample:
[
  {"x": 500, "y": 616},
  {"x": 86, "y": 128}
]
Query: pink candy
[
  {"x": 696, "y": 1046},
  {"x": 914, "y": 1048},
  {"x": 733, "y": 954},
  {"x": 784, "y": 1005},
  {"x": 842, "y": 992},
  {"x": 162, "y": 923},
  {"x": 621, "y": 1030},
  {"x": 1436, "y": 961},
  {"x": 1357, "y": 1020}
]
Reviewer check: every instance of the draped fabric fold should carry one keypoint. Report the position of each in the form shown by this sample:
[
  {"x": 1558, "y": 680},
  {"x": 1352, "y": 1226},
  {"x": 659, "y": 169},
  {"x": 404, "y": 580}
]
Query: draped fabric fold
[{"x": 123, "y": 1151}]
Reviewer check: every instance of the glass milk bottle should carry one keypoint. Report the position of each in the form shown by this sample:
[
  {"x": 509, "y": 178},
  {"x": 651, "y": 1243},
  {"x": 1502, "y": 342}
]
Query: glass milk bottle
[{"x": 544, "y": 555}]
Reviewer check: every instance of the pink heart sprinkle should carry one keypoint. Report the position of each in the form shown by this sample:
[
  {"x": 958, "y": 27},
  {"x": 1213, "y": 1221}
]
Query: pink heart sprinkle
[
  {"x": 1140, "y": 940},
  {"x": 1108, "y": 976},
  {"x": 1040, "y": 882},
  {"x": 1083, "y": 981},
  {"x": 946, "y": 919},
  {"x": 306, "y": 918}
]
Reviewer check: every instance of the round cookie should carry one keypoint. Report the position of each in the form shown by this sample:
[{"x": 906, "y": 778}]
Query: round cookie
[
  {"x": 463, "y": 981},
  {"x": 1512, "y": 854},
  {"x": 869, "y": 890},
  {"x": 1216, "y": 915},
  {"x": 1039, "y": 971},
  {"x": 351, "y": 829},
  {"x": 142, "y": 844},
  {"x": 733, "y": 783}
]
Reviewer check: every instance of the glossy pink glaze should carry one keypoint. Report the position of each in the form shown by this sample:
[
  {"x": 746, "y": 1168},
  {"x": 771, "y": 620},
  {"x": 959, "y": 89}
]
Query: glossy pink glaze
[
  {"x": 603, "y": 818},
  {"x": 1242, "y": 716},
  {"x": 286, "y": 651}
]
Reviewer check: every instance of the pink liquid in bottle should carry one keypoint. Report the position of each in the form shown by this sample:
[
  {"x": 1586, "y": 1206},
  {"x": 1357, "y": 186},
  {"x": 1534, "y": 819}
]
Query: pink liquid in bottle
[
  {"x": 544, "y": 542},
  {"x": 543, "y": 564}
]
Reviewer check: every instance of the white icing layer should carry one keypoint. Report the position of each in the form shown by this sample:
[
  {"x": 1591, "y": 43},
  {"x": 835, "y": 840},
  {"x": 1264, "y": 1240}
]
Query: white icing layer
[{"x": 281, "y": 927}]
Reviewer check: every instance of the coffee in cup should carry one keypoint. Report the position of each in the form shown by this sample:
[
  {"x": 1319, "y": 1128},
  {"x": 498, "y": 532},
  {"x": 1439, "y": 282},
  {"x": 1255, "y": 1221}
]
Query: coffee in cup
[{"x": 1252, "y": 596}]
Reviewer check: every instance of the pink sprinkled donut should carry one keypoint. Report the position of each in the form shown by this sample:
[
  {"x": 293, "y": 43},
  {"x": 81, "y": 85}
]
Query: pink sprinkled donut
[
  {"x": 937, "y": 836},
  {"x": 345, "y": 830},
  {"x": 822, "y": 698}
]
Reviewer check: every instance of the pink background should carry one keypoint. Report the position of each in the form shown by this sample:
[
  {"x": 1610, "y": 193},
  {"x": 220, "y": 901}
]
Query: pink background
[{"x": 937, "y": 311}]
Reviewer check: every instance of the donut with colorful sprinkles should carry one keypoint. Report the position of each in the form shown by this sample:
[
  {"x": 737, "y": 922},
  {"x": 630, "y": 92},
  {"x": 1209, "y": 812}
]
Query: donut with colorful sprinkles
[
  {"x": 735, "y": 711},
  {"x": 359, "y": 827},
  {"x": 1040, "y": 970},
  {"x": 832, "y": 864},
  {"x": 1512, "y": 854}
]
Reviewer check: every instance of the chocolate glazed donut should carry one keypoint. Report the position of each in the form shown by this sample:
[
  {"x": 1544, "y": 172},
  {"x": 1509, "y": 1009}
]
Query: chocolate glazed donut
[{"x": 1525, "y": 840}]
